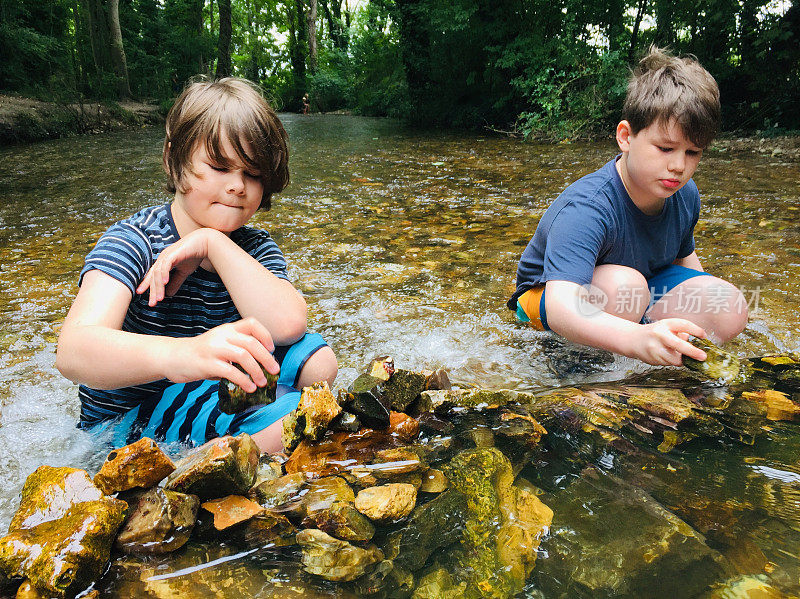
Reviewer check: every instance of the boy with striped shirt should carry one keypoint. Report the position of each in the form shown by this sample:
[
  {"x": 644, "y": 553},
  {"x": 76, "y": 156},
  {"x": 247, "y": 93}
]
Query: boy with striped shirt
[{"x": 181, "y": 295}]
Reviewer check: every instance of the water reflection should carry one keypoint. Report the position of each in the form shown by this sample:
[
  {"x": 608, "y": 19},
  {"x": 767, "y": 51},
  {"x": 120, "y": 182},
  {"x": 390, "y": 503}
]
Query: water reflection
[{"x": 404, "y": 242}]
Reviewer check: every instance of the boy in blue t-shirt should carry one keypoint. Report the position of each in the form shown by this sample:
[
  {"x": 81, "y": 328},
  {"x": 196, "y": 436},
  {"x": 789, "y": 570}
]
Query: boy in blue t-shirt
[
  {"x": 612, "y": 263},
  {"x": 181, "y": 295}
]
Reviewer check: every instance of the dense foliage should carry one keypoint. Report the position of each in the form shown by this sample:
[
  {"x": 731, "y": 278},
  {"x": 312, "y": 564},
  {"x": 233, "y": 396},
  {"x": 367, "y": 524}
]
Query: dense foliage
[{"x": 546, "y": 68}]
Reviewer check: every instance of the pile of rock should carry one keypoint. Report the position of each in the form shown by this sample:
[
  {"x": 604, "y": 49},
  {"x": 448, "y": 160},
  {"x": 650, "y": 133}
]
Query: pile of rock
[{"x": 373, "y": 491}]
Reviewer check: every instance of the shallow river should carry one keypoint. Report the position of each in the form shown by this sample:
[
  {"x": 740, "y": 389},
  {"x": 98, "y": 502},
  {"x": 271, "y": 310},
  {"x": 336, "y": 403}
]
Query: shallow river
[{"x": 405, "y": 242}]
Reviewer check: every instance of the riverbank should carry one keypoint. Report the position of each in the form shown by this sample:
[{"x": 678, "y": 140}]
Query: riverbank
[{"x": 25, "y": 119}]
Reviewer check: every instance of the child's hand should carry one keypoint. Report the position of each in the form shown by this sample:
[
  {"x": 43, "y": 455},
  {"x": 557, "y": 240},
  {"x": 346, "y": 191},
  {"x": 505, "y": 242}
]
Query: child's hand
[
  {"x": 175, "y": 264},
  {"x": 213, "y": 355},
  {"x": 665, "y": 342}
]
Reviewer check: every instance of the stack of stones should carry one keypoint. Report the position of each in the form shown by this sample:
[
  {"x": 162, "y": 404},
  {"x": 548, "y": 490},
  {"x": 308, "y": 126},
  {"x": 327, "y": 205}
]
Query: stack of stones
[{"x": 371, "y": 488}]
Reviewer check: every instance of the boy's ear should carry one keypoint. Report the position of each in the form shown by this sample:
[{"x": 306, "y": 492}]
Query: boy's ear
[{"x": 624, "y": 133}]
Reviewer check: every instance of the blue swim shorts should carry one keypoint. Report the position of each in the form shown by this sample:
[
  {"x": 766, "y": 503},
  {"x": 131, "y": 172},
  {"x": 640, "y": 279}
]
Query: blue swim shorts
[
  {"x": 531, "y": 305},
  {"x": 188, "y": 412}
]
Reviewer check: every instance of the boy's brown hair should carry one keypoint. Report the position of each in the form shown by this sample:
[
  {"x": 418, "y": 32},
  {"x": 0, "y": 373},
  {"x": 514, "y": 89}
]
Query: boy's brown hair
[
  {"x": 665, "y": 87},
  {"x": 233, "y": 106}
]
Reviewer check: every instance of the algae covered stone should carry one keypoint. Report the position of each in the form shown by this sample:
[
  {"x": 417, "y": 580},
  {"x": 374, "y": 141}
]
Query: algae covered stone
[
  {"x": 334, "y": 559},
  {"x": 341, "y": 520},
  {"x": 161, "y": 521},
  {"x": 719, "y": 365},
  {"x": 224, "y": 466},
  {"x": 139, "y": 465},
  {"x": 503, "y": 524},
  {"x": 403, "y": 387},
  {"x": 61, "y": 536},
  {"x": 233, "y": 399}
]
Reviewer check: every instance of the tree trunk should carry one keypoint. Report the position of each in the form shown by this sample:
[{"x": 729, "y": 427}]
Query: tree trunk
[
  {"x": 252, "y": 67},
  {"x": 297, "y": 49},
  {"x": 615, "y": 14},
  {"x": 312, "y": 35},
  {"x": 635, "y": 32},
  {"x": 98, "y": 36},
  {"x": 117, "y": 50},
  {"x": 665, "y": 28},
  {"x": 224, "y": 44}
]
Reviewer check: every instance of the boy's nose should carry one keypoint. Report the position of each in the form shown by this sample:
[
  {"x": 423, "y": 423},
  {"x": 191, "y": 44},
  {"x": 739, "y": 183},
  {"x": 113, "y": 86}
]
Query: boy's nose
[
  {"x": 236, "y": 183},
  {"x": 678, "y": 162}
]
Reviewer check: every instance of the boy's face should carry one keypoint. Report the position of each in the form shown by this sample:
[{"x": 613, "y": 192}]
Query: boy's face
[
  {"x": 218, "y": 197},
  {"x": 656, "y": 162}
]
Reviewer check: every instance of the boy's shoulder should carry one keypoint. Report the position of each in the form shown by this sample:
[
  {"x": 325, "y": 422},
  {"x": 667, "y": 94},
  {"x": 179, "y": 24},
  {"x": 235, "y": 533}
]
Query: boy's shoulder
[{"x": 595, "y": 193}]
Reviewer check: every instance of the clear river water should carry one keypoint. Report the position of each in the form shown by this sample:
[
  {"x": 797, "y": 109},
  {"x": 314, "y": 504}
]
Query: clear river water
[{"x": 405, "y": 242}]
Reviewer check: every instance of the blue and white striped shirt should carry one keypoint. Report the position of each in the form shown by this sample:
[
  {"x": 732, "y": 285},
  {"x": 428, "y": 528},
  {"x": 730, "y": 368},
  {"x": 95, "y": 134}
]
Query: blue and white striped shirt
[{"x": 126, "y": 251}]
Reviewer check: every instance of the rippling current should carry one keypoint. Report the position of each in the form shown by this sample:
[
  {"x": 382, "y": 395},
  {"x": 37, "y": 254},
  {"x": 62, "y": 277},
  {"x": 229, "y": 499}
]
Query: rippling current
[{"x": 404, "y": 242}]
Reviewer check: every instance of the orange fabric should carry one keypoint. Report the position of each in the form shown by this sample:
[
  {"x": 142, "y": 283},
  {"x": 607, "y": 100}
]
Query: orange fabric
[{"x": 530, "y": 302}]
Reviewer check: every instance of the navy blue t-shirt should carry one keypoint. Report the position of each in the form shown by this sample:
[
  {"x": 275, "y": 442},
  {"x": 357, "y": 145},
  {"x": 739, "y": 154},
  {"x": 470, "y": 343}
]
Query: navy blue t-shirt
[{"x": 594, "y": 221}]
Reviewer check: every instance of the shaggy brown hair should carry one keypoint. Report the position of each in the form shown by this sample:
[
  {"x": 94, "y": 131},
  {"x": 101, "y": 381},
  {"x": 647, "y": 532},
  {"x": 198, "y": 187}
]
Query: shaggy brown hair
[
  {"x": 205, "y": 111},
  {"x": 665, "y": 87}
]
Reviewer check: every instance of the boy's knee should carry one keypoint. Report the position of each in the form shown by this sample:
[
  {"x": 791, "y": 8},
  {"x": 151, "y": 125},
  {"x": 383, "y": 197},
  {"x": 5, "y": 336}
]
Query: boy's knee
[
  {"x": 626, "y": 291},
  {"x": 731, "y": 318},
  {"x": 321, "y": 366}
]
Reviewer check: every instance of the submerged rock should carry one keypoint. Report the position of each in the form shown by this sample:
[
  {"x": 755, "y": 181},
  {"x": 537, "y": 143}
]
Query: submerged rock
[
  {"x": 612, "y": 539},
  {"x": 440, "y": 401},
  {"x": 324, "y": 492},
  {"x": 403, "y": 426},
  {"x": 161, "y": 521},
  {"x": 777, "y": 405},
  {"x": 387, "y": 503},
  {"x": 386, "y": 580},
  {"x": 266, "y": 529},
  {"x": 433, "y": 481},
  {"x": 233, "y": 399},
  {"x": 433, "y": 525},
  {"x": 222, "y": 467},
  {"x": 61, "y": 536},
  {"x": 338, "y": 452},
  {"x": 439, "y": 584},
  {"x": 341, "y": 520},
  {"x": 284, "y": 494},
  {"x": 503, "y": 527},
  {"x": 269, "y": 467},
  {"x": 334, "y": 559},
  {"x": 142, "y": 464}
]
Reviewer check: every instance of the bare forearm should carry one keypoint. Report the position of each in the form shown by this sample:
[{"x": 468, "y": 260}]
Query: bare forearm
[
  {"x": 258, "y": 293},
  {"x": 104, "y": 358},
  {"x": 601, "y": 329}
]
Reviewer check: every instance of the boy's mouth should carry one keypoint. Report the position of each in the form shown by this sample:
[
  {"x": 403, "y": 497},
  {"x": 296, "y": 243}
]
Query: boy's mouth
[{"x": 671, "y": 183}]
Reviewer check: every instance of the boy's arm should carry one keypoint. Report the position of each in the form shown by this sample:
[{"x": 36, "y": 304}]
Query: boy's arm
[
  {"x": 92, "y": 350},
  {"x": 255, "y": 291},
  {"x": 690, "y": 261},
  {"x": 570, "y": 314}
]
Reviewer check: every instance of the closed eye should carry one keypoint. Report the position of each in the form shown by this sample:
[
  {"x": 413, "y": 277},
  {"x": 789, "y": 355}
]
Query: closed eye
[{"x": 664, "y": 149}]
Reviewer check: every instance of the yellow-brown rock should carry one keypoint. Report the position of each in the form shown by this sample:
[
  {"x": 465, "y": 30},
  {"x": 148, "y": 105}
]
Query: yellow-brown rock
[
  {"x": 338, "y": 452},
  {"x": 161, "y": 521},
  {"x": 341, "y": 520},
  {"x": 142, "y": 464},
  {"x": 231, "y": 510},
  {"x": 224, "y": 466},
  {"x": 777, "y": 404},
  {"x": 324, "y": 492},
  {"x": 387, "y": 503},
  {"x": 318, "y": 407},
  {"x": 61, "y": 536},
  {"x": 394, "y": 463},
  {"x": 403, "y": 426},
  {"x": 334, "y": 559},
  {"x": 381, "y": 368},
  {"x": 284, "y": 494},
  {"x": 433, "y": 481}
]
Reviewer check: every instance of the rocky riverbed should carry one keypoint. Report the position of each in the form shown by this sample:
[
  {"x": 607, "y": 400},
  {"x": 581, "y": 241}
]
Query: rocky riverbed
[{"x": 402, "y": 486}]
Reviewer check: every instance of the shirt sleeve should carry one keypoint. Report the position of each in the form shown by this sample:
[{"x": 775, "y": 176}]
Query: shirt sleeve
[
  {"x": 577, "y": 236},
  {"x": 264, "y": 249},
  {"x": 122, "y": 252}
]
